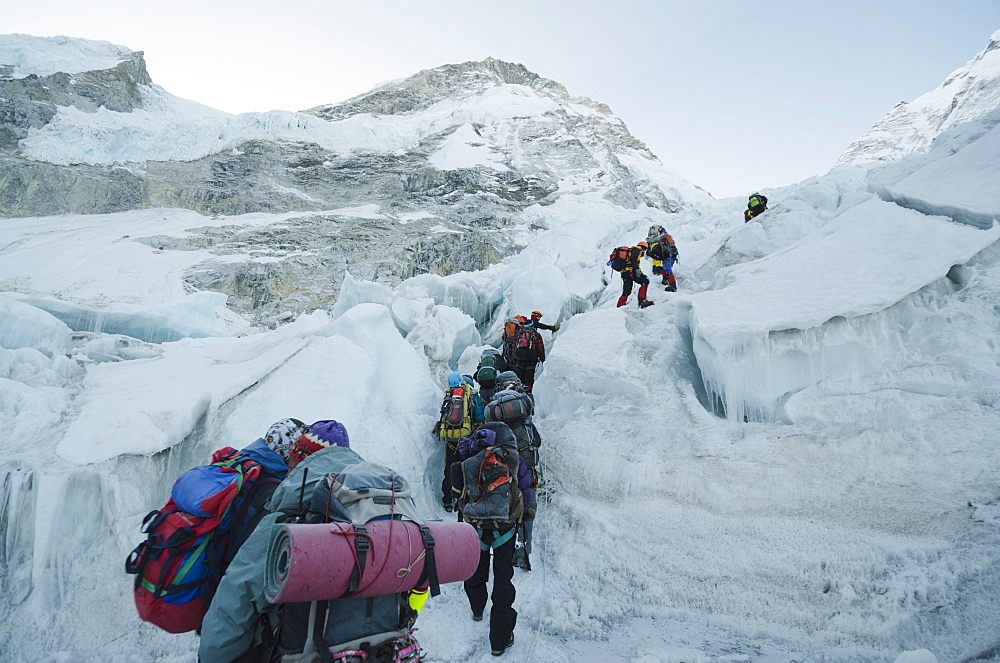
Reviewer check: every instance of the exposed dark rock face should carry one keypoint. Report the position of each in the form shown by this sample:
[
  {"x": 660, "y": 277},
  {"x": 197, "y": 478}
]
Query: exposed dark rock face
[{"x": 32, "y": 102}]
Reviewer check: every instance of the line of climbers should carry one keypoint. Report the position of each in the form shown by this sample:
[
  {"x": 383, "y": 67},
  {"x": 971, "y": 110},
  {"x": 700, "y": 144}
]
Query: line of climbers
[
  {"x": 491, "y": 467},
  {"x": 661, "y": 249},
  {"x": 295, "y": 549},
  {"x": 220, "y": 557}
]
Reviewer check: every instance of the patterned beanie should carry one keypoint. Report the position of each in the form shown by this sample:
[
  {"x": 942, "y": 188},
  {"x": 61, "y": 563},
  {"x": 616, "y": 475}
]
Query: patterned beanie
[
  {"x": 322, "y": 434},
  {"x": 282, "y": 435}
]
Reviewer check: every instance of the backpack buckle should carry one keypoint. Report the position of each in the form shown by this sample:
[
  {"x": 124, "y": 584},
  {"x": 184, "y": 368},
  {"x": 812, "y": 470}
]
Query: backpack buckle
[
  {"x": 428, "y": 538},
  {"x": 362, "y": 542}
]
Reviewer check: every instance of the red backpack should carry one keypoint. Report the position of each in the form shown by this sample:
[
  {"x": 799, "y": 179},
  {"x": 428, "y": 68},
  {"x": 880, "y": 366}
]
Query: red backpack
[{"x": 179, "y": 565}]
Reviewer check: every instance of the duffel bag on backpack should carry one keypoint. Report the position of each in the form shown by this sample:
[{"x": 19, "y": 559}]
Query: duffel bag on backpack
[
  {"x": 356, "y": 564},
  {"x": 179, "y": 565},
  {"x": 509, "y": 406}
]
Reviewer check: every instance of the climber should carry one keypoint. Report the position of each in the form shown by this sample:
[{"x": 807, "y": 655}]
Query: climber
[
  {"x": 527, "y": 350},
  {"x": 663, "y": 253},
  {"x": 510, "y": 329},
  {"x": 625, "y": 261},
  {"x": 756, "y": 205},
  {"x": 536, "y": 322}
]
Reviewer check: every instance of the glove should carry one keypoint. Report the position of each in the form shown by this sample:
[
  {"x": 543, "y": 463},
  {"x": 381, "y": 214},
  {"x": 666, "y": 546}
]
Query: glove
[
  {"x": 556, "y": 326},
  {"x": 527, "y": 515}
]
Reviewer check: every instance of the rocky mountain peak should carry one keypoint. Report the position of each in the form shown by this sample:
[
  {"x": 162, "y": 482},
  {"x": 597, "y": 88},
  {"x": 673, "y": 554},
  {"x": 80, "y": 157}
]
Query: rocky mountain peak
[{"x": 430, "y": 86}]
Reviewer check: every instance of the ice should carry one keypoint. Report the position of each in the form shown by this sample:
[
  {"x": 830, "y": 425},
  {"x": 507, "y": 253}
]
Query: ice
[
  {"x": 442, "y": 337},
  {"x": 196, "y": 316},
  {"x": 26, "y": 326},
  {"x": 945, "y": 184},
  {"x": 44, "y": 56},
  {"x": 772, "y": 327}
]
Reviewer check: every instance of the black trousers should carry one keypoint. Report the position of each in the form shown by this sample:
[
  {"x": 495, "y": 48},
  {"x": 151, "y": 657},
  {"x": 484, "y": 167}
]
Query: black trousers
[
  {"x": 450, "y": 456},
  {"x": 503, "y": 616},
  {"x": 526, "y": 374},
  {"x": 634, "y": 276}
]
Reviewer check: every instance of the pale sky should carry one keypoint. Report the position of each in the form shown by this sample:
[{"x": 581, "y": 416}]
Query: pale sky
[{"x": 731, "y": 94}]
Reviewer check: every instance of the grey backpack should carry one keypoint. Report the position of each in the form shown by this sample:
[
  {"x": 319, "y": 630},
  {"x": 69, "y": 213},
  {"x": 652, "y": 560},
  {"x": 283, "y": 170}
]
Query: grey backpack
[
  {"x": 379, "y": 625},
  {"x": 491, "y": 494}
]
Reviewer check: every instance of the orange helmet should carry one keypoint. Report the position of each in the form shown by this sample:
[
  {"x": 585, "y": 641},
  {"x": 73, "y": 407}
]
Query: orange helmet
[
  {"x": 535, "y": 315},
  {"x": 643, "y": 245},
  {"x": 521, "y": 319}
]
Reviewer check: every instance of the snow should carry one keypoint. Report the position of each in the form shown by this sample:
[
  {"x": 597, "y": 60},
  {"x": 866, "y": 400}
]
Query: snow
[
  {"x": 44, "y": 56},
  {"x": 964, "y": 96},
  {"x": 465, "y": 148},
  {"x": 947, "y": 185},
  {"x": 170, "y": 128},
  {"x": 794, "y": 458}
]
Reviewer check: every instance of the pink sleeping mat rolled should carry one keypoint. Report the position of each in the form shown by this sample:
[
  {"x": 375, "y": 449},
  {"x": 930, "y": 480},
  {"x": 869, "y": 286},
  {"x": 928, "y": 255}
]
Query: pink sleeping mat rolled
[{"x": 314, "y": 562}]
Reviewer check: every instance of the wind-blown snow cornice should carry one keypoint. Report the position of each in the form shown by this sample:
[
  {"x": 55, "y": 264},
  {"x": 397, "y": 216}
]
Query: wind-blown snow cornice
[{"x": 967, "y": 94}]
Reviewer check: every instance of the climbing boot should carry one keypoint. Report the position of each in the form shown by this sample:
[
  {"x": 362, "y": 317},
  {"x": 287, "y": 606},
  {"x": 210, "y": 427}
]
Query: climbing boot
[
  {"x": 622, "y": 301},
  {"x": 671, "y": 287},
  {"x": 646, "y": 302},
  {"x": 500, "y": 652}
]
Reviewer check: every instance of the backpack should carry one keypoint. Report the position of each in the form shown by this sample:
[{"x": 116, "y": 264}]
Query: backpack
[
  {"x": 757, "y": 200},
  {"x": 671, "y": 248},
  {"x": 619, "y": 259},
  {"x": 488, "y": 369},
  {"x": 523, "y": 349},
  {"x": 456, "y": 415},
  {"x": 664, "y": 249},
  {"x": 508, "y": 380},
  {"x": 654, "y": 232},
  {"x": 371, "y": 628},
  {"x": 510, "y": 328},
  {"x": 186, "y": 550},
  {"x": 514, "y": 408},
  {"x": 490, "y": 492}
]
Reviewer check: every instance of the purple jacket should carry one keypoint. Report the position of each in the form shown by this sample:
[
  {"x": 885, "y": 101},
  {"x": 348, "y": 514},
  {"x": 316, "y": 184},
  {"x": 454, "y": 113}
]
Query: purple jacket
[{"x": 493, "y": 434}]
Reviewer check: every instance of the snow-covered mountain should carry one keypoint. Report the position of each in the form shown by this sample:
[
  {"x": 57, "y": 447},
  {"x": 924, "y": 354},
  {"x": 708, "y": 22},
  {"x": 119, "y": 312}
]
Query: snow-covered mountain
[
  {"x": 793, "y": 458},
  {"x": 427, "y": 174},
  {"x": 967, "y": 94}
]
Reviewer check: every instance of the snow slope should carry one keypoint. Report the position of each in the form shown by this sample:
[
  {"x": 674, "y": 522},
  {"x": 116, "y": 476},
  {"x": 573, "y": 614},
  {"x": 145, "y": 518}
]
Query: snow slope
[{"x": 965, "y": 95}]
